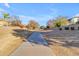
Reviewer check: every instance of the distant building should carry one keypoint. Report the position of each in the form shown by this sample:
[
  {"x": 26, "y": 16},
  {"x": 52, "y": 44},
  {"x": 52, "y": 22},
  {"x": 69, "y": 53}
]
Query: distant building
[
  {"x": 74, "y": 19},
  {"x": 70, "y": 27},
  {"x": 74, "y": 24}
]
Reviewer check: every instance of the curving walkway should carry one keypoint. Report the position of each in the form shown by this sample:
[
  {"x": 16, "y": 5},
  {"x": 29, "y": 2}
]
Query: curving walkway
[
  {"x": 31, "y": 49},
  {"x": 28, "y": 49}
]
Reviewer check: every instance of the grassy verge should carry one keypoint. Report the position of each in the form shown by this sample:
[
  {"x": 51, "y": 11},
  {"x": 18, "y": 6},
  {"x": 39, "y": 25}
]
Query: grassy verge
[
  {"x": 59, "y": 50},
  {"x": 9, "y": 47},
  {"x": 8, "y": 42}
]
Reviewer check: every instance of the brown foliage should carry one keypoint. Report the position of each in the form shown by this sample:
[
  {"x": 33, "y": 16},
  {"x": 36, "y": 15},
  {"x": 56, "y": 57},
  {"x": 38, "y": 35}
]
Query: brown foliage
[{"x": 32, "y": 24}]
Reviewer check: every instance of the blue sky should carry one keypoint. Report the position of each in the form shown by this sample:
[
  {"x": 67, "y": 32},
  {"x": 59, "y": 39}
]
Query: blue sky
[{"x": 40, "y": 12}]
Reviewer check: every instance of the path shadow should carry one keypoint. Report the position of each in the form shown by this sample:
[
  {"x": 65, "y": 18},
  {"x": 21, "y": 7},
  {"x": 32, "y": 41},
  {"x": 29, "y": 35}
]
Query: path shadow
[
  {"x": 21, "y": 33},
  {"x": 67, "y": 43},
  {"x": 71, "y": 44},
  {"x": 25, "y": 34}
]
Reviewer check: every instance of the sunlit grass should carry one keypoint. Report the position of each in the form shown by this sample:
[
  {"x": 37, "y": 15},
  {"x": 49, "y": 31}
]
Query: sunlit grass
[
  {"x": 8, "y": 42},
  {"x": 59, "y": 50}
]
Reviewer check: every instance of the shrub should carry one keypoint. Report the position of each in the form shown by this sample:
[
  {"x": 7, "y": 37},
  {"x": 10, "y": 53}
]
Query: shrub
[
  {"x": 60, "y": 28},
  {"x": 66, "y": 28},
  {"x": 72, "y": 28},
  {"x": 32, "y": 25}
]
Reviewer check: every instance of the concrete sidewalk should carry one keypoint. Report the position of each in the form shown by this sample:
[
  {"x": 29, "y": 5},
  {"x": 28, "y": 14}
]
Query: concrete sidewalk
[{"x": 28, "y": 49}]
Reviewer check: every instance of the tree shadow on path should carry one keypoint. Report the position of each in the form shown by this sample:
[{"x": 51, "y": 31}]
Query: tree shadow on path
[{"x": 25, "y": 34}]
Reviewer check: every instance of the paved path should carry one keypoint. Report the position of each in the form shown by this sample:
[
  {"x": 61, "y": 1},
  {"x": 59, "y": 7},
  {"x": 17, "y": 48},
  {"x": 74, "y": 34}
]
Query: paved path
[
  {"x": 28, "y": 49},
  {"x": 31, "y": 49}
]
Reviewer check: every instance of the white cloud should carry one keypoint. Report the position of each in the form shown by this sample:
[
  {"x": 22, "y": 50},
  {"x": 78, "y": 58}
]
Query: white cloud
[
  {"x": 27, "y": 17},
  {"x": 7, "y": 5},
  {"x": 41, "y": 19},
  {"x": 22, "y": 16}
]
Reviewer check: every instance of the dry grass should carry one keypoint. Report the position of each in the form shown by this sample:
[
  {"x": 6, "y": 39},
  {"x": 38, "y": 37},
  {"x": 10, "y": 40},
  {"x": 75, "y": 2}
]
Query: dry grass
[
  {"x": 59, "y": 50},
  {"x": 41, "y": 30},
  {"x": 72, "y": 49},
  {"x": 8, "y": 42},
  {"x": 9, "y": 47}
]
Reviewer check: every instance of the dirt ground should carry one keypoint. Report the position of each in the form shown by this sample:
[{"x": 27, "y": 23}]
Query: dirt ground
[
  {"x": 64, "y": 51},
  {"x": 8, "y": 42},
  {"x": 59, "y": 46}
]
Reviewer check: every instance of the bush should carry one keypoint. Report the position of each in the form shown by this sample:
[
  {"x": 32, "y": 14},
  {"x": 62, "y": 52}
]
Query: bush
[
  {"x": 42, "y": 27},
  {"x": 47, "y": 27},
  {"x": 60, "y": 28},
  {"x": 78, "y": 28},
  {"x": 15, "y": 22},
  {"x": 66, "y": 28},
  {"x": 32, "y": 25},
  {"x": 72, "y": 28}
]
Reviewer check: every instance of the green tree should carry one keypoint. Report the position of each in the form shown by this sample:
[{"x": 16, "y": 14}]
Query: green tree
[
  {"x": 6, "y": 15},
  {"x": 59, "y": 21}
]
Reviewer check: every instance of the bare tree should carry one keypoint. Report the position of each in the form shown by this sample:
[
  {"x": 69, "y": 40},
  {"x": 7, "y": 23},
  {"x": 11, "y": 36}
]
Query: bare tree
[
  {"x": 50, "y": 23},
  {"x": 32, "y": 25},
  {"x": 15, "y": 21}
]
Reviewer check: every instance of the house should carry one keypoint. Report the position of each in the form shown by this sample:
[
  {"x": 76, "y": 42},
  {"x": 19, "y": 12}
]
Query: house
[
  {"x": 70, "y": 27},
  {"x": 74, "y": 19},
  {"x": 74, "y": 24}
]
